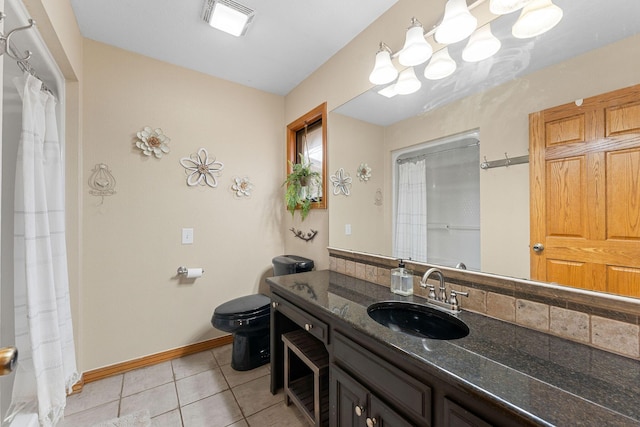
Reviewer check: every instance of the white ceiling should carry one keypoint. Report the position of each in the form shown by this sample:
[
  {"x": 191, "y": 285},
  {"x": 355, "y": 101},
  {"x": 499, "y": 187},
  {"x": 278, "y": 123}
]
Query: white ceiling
[{"x": 286, "y": 42}]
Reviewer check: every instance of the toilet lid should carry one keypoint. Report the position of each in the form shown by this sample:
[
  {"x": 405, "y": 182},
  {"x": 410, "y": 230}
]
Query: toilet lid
[{"x": 244, "y": 306}]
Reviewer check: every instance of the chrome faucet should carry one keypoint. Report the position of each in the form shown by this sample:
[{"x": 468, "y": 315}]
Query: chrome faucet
[
  {"x": 443, "y": 291},
  {"x": 441, "y": 300}
]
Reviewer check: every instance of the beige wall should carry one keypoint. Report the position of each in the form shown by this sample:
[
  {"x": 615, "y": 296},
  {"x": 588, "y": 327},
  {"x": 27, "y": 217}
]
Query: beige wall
[
  {"x": 133, "y": 304},
  {"x": 357, "y": 142}
]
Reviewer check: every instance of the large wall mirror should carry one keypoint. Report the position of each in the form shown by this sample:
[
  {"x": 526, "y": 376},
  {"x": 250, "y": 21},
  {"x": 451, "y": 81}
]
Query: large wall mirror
[{"x": 593, "y": 50}]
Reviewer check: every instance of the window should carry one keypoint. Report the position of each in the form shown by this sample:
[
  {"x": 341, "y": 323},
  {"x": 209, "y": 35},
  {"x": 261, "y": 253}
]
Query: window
[{"x": 307, "y": 143}]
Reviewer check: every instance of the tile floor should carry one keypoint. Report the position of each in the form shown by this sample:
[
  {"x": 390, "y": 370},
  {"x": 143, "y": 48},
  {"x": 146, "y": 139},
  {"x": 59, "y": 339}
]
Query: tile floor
[{"x": 199, "y": 390}]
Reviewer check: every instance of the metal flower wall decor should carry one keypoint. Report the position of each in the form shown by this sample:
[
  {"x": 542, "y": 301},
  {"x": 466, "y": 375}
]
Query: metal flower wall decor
[
  {"x": 242, "y": 187},
  {"x": 364, "y": 172},
  {"x": 152, "y": 141},
  {"x": 200, "y": 169},
  {"x": 341, "y": 182},
  {"x": 102, "y": 181}
]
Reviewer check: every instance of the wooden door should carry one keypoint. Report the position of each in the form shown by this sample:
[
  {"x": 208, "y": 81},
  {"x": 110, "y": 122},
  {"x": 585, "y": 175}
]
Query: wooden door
[{"x": 585, "y": 193}]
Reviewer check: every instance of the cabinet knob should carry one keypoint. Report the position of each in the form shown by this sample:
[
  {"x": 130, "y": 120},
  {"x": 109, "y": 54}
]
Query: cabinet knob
[
  {"x": 371, "y": 422},
  {"x": 359, "y": 410},
  {"x": 275, "y": 304},
  {"x": 308, "y": 327}
]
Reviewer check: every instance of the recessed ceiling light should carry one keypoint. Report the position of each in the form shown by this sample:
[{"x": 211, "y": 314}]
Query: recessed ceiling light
[{"x": 228, "y": 16}]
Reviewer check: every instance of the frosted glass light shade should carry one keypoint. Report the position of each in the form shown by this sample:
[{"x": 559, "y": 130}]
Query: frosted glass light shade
[
  {"x": 407, "y": 82},
  {"x": 482, "y": 45},
  {"x": 458, "y": 23},
  {"x": 502, "y": 7},
  {"x": 416, "y": 49},
  {"x": 537, "y": 17},
  {"x": 440, "y": 66},
  {"x": 389, "y": 91},
  {"x": 383, "y": 71}
]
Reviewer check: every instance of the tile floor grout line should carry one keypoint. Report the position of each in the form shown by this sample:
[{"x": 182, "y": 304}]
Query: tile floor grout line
[{"x": 175, "y": 386}]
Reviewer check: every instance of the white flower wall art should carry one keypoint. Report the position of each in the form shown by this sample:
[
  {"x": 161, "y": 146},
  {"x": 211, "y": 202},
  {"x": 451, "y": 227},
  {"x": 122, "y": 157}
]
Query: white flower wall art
[
  {"x": 341, "y": 182},
  {"x": 364, "y": 172},
  {"x": 242, "y": 187},
  {"x": 152, "y": 141},
  {"x": 201, "y": 169}
]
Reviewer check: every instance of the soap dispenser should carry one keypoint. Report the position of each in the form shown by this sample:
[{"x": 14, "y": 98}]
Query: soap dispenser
[{"x": 402, "y": 280}]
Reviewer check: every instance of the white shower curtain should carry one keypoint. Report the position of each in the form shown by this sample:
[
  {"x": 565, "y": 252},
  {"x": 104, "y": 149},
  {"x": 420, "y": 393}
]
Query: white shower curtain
[
  {"x": 411, "y": 211},
  {"x": 44, "y": 334}
]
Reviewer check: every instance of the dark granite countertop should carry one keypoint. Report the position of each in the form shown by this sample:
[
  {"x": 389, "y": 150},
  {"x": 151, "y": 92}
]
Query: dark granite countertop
[{"x": 547, "y": 379}]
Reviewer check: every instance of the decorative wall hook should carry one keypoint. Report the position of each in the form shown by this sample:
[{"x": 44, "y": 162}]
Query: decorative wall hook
[
  {"x": 6, "y": 40},
  {"x": 301, "y": 235},
  {"x": 507, "y": 161},
  {"x": 102, "y": 182}
]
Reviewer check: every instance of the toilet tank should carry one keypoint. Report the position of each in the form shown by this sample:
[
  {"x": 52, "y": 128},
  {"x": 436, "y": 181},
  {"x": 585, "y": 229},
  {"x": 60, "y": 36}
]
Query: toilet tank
[{"x": 290, "y": 264}]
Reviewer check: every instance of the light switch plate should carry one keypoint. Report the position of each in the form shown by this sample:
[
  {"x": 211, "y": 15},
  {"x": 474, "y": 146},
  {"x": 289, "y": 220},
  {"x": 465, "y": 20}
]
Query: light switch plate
[{"x": 187, "y": 236}]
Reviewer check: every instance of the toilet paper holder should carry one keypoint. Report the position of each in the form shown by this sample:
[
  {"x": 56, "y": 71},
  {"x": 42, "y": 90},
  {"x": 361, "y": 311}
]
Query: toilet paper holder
[{"x": 183, "y": 271}]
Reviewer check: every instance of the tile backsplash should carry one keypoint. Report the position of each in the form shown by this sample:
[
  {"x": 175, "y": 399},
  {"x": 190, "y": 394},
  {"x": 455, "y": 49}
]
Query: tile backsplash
[{"x": 608, "y": 322}]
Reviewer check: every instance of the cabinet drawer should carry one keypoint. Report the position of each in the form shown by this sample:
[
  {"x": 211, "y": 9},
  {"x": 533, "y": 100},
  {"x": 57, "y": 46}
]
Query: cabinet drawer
[
  {"x": 309, "y": 323},
  {"x": 398, "y": 388}
]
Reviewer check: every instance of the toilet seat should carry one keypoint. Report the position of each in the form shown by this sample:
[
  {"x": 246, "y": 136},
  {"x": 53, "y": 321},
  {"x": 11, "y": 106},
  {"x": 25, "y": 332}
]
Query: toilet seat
[{"x": 245, "y": 312}]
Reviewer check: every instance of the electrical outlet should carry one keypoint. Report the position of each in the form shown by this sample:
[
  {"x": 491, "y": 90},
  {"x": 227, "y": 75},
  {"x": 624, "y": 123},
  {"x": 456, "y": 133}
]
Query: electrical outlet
[{"x": 347, "y": 229}]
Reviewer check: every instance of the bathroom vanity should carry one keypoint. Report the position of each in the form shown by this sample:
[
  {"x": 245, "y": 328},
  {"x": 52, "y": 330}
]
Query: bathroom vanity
[{"x": 500, "y": 374}]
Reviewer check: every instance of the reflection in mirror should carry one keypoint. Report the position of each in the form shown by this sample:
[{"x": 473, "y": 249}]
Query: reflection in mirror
[
  {"x": 593, "y": 50},
  {"x": 436, "y": 196}
]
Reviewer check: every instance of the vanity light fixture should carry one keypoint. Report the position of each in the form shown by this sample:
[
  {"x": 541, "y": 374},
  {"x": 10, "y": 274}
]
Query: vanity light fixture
[
  {"x": 458, "y": 23},
  {"x": 537, "y": 17},
  {"x": 407, "y": 82},
  {"x": 383, "y": 71},
  {"x": 228, "y": 16},
  {"x": 416, "y": 49},
  {"x": 482, "y": 45},
  {"x": 440, "y": 66}
]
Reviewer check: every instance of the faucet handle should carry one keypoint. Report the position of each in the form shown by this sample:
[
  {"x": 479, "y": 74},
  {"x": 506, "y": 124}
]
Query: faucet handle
[
  {"x": 432, "y": 292},
  {"x": 453, "y": 300}
]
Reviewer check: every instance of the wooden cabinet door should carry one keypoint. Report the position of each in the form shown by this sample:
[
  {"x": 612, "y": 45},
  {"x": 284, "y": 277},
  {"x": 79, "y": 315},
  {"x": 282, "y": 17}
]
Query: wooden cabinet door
[
  {"x": 585, "y": 193},
  {"x": 456, "y": 416},
  {"x": 348, "y": 400},
  {"x": 380, "y": 415}
]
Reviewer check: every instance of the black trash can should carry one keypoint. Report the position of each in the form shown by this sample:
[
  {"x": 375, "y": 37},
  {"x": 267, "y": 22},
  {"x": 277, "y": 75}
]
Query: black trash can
[{"x": 290, "y": 264}]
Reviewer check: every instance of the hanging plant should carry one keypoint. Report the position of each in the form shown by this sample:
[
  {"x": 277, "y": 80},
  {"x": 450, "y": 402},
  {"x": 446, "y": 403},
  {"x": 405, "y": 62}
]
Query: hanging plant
[{"x": 298, "y": 183}]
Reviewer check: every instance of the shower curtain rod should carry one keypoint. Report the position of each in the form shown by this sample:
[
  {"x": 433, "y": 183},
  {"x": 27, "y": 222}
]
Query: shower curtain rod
[{"x": 431, "y": 153}]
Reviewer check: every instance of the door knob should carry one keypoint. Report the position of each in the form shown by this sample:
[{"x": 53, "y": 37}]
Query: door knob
[
  {"x": 359, "y": 410},
  {"x": 538, "y": 247},
  {"x": 8, "y": 359}
]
